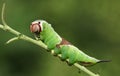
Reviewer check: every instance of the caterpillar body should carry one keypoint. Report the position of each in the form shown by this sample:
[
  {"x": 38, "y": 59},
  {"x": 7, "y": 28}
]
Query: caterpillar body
[{"x": 44, "y": 31}]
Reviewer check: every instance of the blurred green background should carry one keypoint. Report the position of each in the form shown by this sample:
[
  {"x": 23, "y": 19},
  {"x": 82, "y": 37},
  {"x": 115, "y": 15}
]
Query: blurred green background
[{"x": 91, "y": 25}]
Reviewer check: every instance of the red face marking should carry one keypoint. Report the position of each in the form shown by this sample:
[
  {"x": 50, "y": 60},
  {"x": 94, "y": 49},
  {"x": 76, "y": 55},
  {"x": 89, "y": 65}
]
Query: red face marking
[{"x": 35, "y": 28}]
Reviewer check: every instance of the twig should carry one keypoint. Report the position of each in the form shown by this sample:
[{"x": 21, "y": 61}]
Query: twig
[
  {"x": 39, "y": 43},
  {"x": 85, "y": 70},
  {"x": 12, "y": 39}
]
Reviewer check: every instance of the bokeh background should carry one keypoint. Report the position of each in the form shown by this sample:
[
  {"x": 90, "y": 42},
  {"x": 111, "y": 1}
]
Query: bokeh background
[{"x": 91, "y": 25}]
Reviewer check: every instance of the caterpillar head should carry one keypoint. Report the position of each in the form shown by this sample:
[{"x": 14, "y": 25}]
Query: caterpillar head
[{"x": 36, "y": 26}]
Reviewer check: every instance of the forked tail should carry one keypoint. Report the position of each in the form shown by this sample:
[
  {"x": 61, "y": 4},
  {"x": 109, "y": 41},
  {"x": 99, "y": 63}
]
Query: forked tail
[{"x": 103, "y": 61}]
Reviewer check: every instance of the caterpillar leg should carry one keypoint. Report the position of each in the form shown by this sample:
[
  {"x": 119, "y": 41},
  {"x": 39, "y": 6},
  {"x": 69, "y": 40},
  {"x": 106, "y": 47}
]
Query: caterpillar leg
[
  {"x": 56, "y": 51},
  {"x": 72, "y": 57},
  {"x": 69, "y": 54},
  {"x": 65, "y": 54}
]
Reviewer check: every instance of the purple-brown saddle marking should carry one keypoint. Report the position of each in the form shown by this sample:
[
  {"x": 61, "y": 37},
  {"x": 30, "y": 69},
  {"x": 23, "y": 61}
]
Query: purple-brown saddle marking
[{"x": 63, "y": 42}]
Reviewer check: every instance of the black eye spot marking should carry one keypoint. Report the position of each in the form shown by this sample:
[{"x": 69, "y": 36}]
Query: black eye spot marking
[{"x": 38, "y": 22}]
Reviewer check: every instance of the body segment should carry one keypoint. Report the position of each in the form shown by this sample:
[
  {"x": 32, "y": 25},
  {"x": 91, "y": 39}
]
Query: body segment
[{"x": 49, "y": 37}]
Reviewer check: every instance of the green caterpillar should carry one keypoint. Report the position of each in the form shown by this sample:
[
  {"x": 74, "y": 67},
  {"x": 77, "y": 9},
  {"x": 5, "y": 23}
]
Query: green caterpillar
[{"x": 46, "y": 33}]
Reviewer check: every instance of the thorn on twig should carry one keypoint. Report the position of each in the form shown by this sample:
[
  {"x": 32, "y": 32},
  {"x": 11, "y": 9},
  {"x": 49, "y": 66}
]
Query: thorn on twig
[{"x": 79, "y": 71}]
